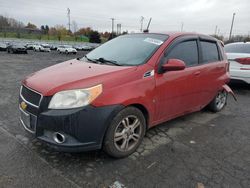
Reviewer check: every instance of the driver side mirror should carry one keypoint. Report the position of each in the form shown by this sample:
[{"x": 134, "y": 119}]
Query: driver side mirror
[{"x": 173, "y": 65}]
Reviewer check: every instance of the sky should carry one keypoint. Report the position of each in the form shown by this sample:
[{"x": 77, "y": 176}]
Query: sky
[{"x": 200, "y": 16}]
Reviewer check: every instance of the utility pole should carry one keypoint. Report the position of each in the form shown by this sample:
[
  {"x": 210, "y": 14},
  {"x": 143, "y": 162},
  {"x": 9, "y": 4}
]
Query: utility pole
[
  {"x": 215, "y": 32},
  {"x": 112, "y": 33},
  {"x": 119, "y": 26},
  {"x": 182, "y": 25},
  {"x": 68, "y": 17},
  {"x": 232, "y": 24},
  {"x": 142, "y": 19}
]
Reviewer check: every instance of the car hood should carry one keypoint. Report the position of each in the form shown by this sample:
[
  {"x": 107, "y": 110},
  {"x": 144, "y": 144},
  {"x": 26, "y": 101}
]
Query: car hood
[{"x": 73, "y": 74}]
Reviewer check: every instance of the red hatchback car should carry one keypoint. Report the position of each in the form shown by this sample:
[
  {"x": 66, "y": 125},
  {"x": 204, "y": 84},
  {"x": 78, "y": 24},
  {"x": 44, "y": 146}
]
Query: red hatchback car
[{"x": 111, "y": 96}]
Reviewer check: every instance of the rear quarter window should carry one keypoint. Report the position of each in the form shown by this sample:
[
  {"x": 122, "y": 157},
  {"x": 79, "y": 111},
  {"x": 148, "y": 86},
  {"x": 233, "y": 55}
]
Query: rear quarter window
[{"x": 209, "y": 51}]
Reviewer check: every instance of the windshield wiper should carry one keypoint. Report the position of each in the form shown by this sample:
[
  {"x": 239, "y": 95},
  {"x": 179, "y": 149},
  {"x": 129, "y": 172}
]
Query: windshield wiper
[
  {"x": 103, "y": 60},
  {"x": 91, "y": 60}
]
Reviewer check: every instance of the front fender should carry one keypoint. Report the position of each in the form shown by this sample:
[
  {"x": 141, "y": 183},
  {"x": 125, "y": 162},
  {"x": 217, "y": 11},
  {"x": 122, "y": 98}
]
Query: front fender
[{"x": 229, "y": 90}]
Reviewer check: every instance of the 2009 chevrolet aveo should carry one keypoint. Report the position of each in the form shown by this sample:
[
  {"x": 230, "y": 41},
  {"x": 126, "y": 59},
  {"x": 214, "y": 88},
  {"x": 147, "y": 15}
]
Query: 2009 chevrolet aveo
[{"x": 111, "y": 96}]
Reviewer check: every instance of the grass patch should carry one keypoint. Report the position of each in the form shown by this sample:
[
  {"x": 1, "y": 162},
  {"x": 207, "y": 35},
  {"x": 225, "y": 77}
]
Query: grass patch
[{"x": 42, "y": 37}]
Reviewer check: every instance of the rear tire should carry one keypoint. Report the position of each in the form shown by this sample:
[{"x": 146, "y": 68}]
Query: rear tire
[
  {"x": 219, "y": 102},
  {"x": 125, "y": 133}
]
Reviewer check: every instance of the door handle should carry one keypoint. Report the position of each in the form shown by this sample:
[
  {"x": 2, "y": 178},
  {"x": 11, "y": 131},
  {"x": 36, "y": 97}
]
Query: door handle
[{"x": 197, "y": 73}]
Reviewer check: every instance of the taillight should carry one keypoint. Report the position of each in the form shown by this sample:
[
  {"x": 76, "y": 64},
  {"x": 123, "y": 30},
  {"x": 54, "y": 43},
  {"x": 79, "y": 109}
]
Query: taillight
[{"x": 243, "y": 61}]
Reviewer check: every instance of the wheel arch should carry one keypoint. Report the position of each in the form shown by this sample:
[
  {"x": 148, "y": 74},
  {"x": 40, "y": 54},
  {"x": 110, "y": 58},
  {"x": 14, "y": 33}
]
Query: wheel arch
[
  {"x": 144, "y": 111},
  {"x": 140, "y": 107}
]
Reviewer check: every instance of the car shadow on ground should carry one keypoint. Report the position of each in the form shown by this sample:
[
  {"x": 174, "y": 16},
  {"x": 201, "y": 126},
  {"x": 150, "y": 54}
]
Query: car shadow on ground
[{"x": 238, "y": 85}]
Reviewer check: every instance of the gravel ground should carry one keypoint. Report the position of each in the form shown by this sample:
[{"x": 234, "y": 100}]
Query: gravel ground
[{"x": 199, "y": 149}]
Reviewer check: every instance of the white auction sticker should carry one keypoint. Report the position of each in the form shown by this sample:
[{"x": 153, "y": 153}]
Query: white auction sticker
[{"x": 153, "y": 41}]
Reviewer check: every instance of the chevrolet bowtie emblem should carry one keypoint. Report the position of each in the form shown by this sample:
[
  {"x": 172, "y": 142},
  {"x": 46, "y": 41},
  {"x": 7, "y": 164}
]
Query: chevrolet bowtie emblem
[{"x": 23, "y": 105}]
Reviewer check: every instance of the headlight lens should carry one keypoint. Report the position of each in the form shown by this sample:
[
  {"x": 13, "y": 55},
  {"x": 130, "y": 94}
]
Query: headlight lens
[{"x": 75, "y": 98}]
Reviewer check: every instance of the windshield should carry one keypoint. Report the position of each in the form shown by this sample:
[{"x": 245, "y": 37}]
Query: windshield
[
  {"x": 238, "y": 48},
  {"x": 133, "y": 49}
]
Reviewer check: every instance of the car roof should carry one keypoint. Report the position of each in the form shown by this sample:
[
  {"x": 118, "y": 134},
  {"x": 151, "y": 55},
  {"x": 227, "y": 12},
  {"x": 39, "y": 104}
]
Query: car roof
[
  {"x": 178, "y": 34},
  {"x": 236, "y": 43}
]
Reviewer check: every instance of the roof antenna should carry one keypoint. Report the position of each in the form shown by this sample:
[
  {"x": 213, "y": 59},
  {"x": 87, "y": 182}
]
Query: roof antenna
[{"x": 147, "y": 30}]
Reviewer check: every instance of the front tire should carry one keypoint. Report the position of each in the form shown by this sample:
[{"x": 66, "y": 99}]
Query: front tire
[
  {"x": 219, "y": 102},
  {"x": 125, "y": 133}
]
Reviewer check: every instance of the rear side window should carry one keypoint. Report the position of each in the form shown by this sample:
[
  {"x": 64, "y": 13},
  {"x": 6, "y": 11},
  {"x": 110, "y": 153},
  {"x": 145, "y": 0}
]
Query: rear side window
[
  {"x": 209, "y": 51},
  {"x": 186, "y": 51}
]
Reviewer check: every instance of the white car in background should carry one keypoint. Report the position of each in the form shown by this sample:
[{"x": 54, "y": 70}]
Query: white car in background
[
  {"x": 46, "y": 47},
  {"x": 238, "y": 55},
  {"x": 40, "y": 48},
  {"x": 66, "y": 49}
]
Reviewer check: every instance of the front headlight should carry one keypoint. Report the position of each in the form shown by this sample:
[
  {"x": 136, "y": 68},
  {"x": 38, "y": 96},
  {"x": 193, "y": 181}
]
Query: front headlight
[{"x": 75, "y": 98}]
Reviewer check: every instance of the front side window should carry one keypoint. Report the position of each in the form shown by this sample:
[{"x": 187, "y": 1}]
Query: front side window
[
  {"x": 209, "y": 52},
  {"x": 186, "y": 51},
  {"x": 129, "y": 50}
]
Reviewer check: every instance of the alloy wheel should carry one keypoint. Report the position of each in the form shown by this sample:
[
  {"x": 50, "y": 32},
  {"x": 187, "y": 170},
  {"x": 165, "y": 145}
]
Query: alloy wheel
[
  {"x": 127, "y": 133},
  {"x": 221, "y": 99}
]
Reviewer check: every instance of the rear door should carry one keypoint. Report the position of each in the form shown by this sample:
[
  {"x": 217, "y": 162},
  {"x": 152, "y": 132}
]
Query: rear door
[
  {"x": 177, "y": 91},
  {"x": 213, "y": 70}
]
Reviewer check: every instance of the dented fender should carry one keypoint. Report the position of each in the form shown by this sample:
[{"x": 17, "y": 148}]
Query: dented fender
[{"x": 229, "y": 90}]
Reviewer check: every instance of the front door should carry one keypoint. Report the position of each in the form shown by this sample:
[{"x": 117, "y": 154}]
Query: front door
[{"x": 177, "y": 91}]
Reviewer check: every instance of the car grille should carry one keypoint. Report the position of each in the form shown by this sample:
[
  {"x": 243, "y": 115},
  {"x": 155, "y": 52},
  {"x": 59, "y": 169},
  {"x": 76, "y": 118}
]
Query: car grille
[
  {"x": 31, "y": 96},
  {"x": 29, "y": 114}
]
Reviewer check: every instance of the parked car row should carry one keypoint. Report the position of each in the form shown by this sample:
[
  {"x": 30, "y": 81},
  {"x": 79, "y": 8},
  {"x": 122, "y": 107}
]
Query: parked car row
[
  {"x": 18, "y": 47},
  {"x": 10, "y": 47}
]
